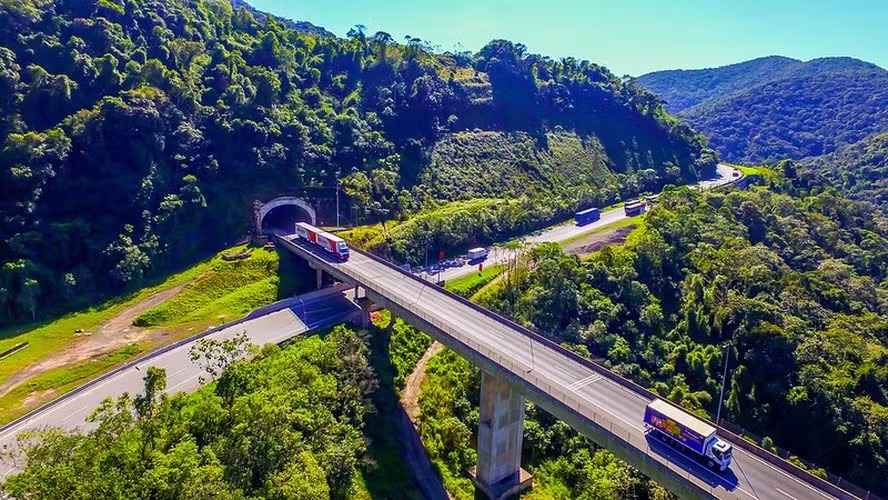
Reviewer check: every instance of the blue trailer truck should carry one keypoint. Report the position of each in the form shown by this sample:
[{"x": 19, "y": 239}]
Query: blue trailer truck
[
  {"x": 685, "y": 431},
  {"x": 586, "y": 216}
]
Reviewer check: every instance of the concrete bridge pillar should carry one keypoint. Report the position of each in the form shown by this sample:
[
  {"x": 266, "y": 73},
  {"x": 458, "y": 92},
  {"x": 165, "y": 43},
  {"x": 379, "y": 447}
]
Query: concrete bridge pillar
[
  {"x": 500, "y": 434},
  {"x": 319, "y": 278}
]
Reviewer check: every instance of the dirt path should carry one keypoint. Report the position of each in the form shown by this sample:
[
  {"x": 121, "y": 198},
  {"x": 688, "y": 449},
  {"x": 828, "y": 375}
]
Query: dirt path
[
  {"x": 413, "y": 451},
  {"x": 595, "y": 242},
  {"x": 110, "y": 335},
  {"x": 413, "y": 387}
]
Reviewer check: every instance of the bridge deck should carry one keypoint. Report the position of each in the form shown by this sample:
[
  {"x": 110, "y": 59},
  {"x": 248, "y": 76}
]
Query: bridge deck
[{"x": 583, "y": 394}]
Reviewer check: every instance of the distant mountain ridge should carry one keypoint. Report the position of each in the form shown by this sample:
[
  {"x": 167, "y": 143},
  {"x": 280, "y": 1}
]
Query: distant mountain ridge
[
  {"x": 683, "y": 89},
  {"x": 775, "y": 107}
]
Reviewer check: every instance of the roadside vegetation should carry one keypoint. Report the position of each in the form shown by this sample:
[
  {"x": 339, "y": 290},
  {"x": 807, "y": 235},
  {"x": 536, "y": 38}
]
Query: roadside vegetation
[
  {"x": 467, "y": 285},
  {"x": 226, "y": 290},
  {"x": 790, "y": 278},
  {"x": 291, "y": 423},
  {"x": 214, "y": 291}
]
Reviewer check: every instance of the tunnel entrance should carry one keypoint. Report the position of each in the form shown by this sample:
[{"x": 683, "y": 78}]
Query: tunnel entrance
[
  {"x": 283, "y": 219},
  {"x": 280, "y": 215}
]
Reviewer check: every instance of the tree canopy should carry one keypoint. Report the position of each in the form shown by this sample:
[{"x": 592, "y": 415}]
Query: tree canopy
[
  {"x": 793, "y": 284},
  {"x": 289, "y": 424},
  {"x": 135, "y": 135}
]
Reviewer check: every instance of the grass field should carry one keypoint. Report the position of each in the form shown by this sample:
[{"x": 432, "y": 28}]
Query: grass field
[
  {"x": 217, "y": 291},
  {"x": 224, "y": 291},
  {"x": 56, "y": 382},
  {"x": 631, "y": 221},
  {"x": 467, "y": 285},
  {"x": 746, "y": 169}
]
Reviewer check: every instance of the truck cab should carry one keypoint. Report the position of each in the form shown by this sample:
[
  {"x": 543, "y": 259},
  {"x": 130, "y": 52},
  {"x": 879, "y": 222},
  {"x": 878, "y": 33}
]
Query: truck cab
[
  {"x": 721, "y": 453},
  {"x": 342, "y": 250}
]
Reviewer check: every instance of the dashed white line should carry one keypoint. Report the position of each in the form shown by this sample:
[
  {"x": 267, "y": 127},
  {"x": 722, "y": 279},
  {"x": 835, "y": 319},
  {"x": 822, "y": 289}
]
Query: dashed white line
[{"x": 189, "y": 379}]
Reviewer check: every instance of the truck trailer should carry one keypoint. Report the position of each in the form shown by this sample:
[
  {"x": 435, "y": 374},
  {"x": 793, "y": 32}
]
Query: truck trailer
[
  {"x": 634, "y": 207},
  {"x": 587, "y": 216},
  {"x": 685, "y": 431},
  {"x": 326, "y": 241}
]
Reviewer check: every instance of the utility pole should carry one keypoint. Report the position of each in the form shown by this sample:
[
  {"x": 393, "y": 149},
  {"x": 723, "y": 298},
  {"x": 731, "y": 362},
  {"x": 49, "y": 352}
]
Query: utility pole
[
  {"x": 338, "y": 182},
  {"x": 721, "y": 398}
]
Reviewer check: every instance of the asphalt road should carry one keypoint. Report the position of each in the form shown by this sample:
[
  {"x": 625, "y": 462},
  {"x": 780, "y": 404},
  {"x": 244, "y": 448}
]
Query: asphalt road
[
  {"x": 555, "y": 373},
  {"x": 273, "y": 324},
  {"x": 561, "y": 232}
]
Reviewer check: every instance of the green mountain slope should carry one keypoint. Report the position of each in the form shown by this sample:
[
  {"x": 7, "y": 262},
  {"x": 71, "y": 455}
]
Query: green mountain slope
[
  {"x": 774, "y": 108},
  {"x": 683, "y": 89},
  {"x": 859, "y": 169},
  {"x": 136, "y": 134}
]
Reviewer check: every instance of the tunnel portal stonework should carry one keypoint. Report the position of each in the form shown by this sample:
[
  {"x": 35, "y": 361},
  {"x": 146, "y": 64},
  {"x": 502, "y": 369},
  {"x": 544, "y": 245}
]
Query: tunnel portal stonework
[{"x": 263, "y": 209}]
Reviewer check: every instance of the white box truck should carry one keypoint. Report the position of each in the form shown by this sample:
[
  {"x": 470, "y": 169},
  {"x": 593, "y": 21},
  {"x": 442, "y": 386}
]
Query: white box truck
[
  {"x": 685, "y": 431},
  {"x": 477, "y": 254}
]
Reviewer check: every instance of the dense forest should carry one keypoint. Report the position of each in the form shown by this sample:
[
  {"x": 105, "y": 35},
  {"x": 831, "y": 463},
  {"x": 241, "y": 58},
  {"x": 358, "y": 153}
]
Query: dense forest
[
  {"x": 136, "y": 135},
  {"x": 860, "y": 170},
  {"x": 774, "y": 108},
  {"x": 791, "y": 278}
]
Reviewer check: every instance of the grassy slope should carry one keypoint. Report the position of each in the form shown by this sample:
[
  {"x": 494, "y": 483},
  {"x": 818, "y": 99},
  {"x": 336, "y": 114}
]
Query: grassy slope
[
  {"x": 469, "y": 284},
  {"x": 218, "y": 290},
  {"x": 225, "y": 290}
]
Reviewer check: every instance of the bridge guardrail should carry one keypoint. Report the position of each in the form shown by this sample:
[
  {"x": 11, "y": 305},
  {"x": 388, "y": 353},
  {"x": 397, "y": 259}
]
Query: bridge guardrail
[
  {"x": 551, "y": 390},
  {"x": 761, "y": 453}
]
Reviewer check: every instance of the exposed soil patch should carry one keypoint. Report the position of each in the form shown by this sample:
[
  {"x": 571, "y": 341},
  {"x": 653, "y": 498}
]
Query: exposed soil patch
[
  {"x": 412, "y": 389},
  {"x": 595, "y": 242},
  {"x": 111, "y": 335}
]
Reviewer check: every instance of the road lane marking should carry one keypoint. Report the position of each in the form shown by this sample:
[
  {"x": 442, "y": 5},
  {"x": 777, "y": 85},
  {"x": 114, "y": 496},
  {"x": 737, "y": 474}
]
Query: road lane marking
[
  {"x": 778, "y": 469},
  {"x": 74, "y": 413},
  {"x": 584, "y": 382},
  {"x": 189, "y": 379},
  {"x": 785, "y": 493},
  {"x": 171, "y": 375}
]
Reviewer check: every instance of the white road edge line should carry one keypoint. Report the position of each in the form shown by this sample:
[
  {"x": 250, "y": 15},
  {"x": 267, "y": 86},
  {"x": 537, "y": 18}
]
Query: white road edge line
[
  {"x": 778, "y": 469},
  {"x": 785, "y": 493}
]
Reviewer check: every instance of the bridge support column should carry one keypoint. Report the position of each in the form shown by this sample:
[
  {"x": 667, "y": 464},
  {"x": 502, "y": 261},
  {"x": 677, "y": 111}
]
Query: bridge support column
[
  {"x": 500, "y": 434},
  {"x": 319, "y": 277},
  {"x": 365, "y": 311}
]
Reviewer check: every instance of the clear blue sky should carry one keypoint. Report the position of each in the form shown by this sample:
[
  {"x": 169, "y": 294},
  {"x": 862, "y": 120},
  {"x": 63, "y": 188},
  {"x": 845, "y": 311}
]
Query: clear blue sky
[{"x": 628, "y": 36}]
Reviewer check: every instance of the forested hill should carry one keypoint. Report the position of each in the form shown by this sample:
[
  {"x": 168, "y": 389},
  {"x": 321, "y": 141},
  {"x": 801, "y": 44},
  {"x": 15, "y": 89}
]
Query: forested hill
[
  {"x": 774, "y": 108},
  {"x": 683, "y": 89},
  {"x": 859, "y": 169},
  {"x": 136, "y": 134}
]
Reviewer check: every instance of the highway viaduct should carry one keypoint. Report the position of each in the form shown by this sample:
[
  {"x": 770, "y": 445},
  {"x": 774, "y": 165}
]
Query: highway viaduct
[{"x": 517, "y": 363}]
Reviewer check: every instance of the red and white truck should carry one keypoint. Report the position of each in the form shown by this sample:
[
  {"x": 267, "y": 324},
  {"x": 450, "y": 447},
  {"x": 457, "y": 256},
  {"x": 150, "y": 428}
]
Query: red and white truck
[{"x": 326, "y": 241}]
